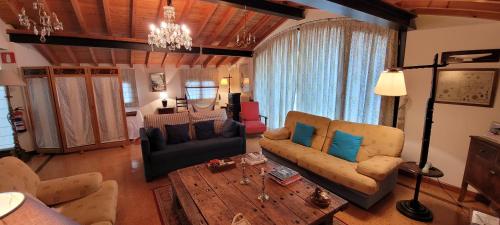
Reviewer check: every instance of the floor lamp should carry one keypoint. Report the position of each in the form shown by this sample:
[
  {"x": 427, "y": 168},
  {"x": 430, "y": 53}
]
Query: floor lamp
[
  {"x": 391, "y": 83},
  {"x": 10, "y": 78}
]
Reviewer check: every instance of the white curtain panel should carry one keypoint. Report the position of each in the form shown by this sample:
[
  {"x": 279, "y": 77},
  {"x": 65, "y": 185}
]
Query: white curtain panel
[
  {"x": 276, "y": 69},
  {"x": 327, "y": 68},
  {"x": 75, "y": 111},
  {"x": 44, "y": 117},
  {"x": 109, "y": 108}
]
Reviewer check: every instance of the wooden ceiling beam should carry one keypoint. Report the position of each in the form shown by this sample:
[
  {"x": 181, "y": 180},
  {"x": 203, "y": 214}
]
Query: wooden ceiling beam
[
  {"x": 219, "y": 63},
  {"x": 61, "y": 38},
  {"x": 107, "y": 16},
  {"x": 133, "y": 16},
  {"x": 92, "y": 56},
  {"x": 79, "y": 16},
  {"x": 44, "y": 49},
  {"x": 131, "y": 59},
  {"x": 204, "y": 23},
  {"x": 113, "y": 56},
  {"x": 71, "y": 54},
  {"x": 375, "y": 12},
  {"x": 207, "y": 61},
  {"x": 147, "y": 60},
  {"x": 164, "y": 59},
  {"x": 159, "y": 12},
  {"x": 235, "y": 60},
  {"x": 180, "y": 19},
  {"x": 179, "y": 61},
  {"x": 458, "y": 12},
  {"x": 266, "y": 7},
  {"x": 239, "y": 26},
  {"x": 267, "y": 32}
]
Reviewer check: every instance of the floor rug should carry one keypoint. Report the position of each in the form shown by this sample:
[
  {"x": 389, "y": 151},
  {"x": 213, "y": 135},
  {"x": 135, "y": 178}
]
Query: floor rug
[{"x": 163, "y": 196}]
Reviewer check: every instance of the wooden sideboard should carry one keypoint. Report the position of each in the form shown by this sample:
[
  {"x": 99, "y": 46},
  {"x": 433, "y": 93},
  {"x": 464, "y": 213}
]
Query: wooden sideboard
[{"x": 482, "y": 170}]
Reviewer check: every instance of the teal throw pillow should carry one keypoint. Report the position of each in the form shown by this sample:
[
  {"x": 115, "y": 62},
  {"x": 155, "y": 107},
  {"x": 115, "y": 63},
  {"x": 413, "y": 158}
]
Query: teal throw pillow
[
  {"x": 345, "y": 146},
  {"x": 303, "y": 134}
]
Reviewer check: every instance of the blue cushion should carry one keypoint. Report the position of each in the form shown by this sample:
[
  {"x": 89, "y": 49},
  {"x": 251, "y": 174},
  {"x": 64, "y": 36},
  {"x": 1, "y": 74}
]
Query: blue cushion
[
  {"x": 345, "y": 146},
  {"x": 204, "y": 129},
  {"x": 303, "y": 134},
  {"x": 177, "y": 133}
]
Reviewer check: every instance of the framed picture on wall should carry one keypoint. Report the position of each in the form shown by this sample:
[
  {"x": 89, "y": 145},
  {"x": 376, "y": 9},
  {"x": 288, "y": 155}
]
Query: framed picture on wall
[
  {"x": 158, "y": 82},
  {"x": 474, "y": 87}
]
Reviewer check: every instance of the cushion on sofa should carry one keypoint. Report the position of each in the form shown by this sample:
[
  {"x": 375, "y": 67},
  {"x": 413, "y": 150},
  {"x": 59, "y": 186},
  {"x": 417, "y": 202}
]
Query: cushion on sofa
[
  {"x": 156, "y": 138},
  {"x": 65, "y": 189},
  {"x": 378, "y": 167},
  {"x": 218, "y": 116},
  {"x": 177, "y": 133},
  {"x": 345, "y": 146},
  {"x": 285, "y": 148},
  {"x": 99, "y": 206},
  {"x": 303, "y": 134},
  {"x": 339, "y": 171},
  {"x": 230, "y": 129},
  {"x": 278, "y": 134},
  {"x": 204, "y": 129},
  {"x": 377, "y": 140},
  {"x": 318, "y": 122},
  {"x": 160, "y": 120}
]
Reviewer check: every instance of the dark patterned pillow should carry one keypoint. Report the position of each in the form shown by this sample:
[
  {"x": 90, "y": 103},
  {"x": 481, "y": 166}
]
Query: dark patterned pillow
[
  {"x": 177, "y": 134},
  {"x": 156, "y": 139},
  {"x": 230, "y": 129},
  {"x": 204, "y": 129}
]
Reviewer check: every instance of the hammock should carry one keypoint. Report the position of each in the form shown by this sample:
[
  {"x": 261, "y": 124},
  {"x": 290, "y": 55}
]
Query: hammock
[{"x": 203, "y": 104}]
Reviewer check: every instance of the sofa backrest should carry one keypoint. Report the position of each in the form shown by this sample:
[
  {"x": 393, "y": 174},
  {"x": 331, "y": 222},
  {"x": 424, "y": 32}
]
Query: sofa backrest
[
  {"x": 218, "y": 116},
  {"x": 320, "y": 123},
  {"x": 15, "y": 175},
  {"x": 160, "y": 120},
  {"x": 377, "y": 139}
]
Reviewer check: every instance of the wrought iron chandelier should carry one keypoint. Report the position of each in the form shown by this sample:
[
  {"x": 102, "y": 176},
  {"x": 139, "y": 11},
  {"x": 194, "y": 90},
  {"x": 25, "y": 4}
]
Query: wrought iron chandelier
[
  {"x": 48, "y": 22},
  {"x": 169, "y": 34},
  {"x": 245, "y": 38}
]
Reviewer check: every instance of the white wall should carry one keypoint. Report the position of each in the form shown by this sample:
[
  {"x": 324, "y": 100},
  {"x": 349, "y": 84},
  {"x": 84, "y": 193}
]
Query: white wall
[
  {"x": 453, "y": 124},
  {"x": 25, "y": 55}
]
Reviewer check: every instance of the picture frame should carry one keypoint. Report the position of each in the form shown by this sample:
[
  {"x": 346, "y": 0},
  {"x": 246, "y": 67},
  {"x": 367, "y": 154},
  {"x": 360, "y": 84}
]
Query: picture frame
[
  {"x": 158, "y": 82},
  {"x": 471, "y": 87}
]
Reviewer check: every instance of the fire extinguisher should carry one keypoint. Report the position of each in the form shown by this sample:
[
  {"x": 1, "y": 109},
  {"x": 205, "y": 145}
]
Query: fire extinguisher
[{"x": 18, "y": 120}]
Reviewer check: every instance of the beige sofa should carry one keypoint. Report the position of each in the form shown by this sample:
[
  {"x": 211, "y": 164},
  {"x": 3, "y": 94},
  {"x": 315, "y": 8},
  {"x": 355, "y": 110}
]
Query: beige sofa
[
  {"x": 84, "y": 198},
  {"x": 363, "y": 182}
]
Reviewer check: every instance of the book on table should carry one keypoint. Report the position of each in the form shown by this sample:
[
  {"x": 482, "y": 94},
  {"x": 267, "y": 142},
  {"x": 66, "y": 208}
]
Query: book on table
[{"x": 284, "y": 175}]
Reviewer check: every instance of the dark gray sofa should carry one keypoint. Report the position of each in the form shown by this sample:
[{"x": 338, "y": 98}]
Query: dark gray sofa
[{"x": 158, "y": 162}]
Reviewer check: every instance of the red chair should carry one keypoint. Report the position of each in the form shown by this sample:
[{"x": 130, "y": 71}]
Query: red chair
[{"x": 251, "y": 118}]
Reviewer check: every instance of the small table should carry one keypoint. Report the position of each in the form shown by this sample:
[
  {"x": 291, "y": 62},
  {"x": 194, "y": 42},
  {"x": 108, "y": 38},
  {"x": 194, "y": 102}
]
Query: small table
[
  {"x": 203, "y": 197},
  {"x": 166, "y": 110}
]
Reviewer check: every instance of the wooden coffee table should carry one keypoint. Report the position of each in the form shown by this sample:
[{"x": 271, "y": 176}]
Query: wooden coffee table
[{"x": 203, "y": 197}]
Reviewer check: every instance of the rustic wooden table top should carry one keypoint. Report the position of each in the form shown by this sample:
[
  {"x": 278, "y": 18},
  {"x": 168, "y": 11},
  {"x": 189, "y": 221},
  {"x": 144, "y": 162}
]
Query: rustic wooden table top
[{"x": 215, "y": 198}]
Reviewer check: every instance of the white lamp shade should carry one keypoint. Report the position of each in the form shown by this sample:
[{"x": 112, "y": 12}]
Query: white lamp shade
[
  {"x": 163, "y": 95},
  {"x": 246, "y": 80},
  {"x": 10, "y": 77},
  {"x": 391, "y": 83},
  {"x": 224, "y": 81}
]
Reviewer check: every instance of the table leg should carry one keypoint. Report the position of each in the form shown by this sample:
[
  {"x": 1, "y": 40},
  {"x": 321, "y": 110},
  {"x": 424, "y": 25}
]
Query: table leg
[
  {"x": 463, "y": 190},
  {"x": 328, "y": 220}
]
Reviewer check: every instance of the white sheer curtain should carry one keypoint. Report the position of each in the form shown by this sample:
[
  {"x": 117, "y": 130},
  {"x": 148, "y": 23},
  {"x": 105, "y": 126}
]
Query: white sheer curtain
[
  {"x": 44, "y": 117},
  {"x": 328, "y": 68},
  {"x": 276, "y": 76},
  {"x": 75, "y": 111},
  {"x": 201, "y": 87},
  {"x": 109, "y": 108}
]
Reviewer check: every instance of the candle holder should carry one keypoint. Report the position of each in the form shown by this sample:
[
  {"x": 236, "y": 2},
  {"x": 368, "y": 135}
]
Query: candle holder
[
  {"x": 244, "y": 179},
  {"x": 263, "y": 195}
]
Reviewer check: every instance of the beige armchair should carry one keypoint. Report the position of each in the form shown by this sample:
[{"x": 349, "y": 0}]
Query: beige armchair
[{"x": 85, "y": 198}]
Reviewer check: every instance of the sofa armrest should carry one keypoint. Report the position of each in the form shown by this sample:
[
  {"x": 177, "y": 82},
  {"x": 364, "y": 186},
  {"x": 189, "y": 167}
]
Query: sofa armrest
[
  {"x": 378, "y": 167},
  {"x": 278, "y": 134},
  {"x": 65, "y": 189},
  {"x": 146, "y": 154}
]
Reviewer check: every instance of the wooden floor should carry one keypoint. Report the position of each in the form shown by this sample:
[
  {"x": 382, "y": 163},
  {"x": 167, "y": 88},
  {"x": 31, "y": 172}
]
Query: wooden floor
[{"x": 136, "y": 203}]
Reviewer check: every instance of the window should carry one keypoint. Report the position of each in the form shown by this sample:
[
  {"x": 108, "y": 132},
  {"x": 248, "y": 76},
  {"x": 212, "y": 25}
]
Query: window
[
  {"x": 201, "y": 89},
  {"x": 129, "y": 88},
  {"x": 6, "y": 138}
]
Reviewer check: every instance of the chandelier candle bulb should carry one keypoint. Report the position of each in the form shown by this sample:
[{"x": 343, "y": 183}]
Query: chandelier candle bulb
[{"x": 169, "y": 35}]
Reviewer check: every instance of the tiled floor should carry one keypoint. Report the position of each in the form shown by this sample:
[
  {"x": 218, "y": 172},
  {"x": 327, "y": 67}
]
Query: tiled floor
[{"x": 136, "y": 203}]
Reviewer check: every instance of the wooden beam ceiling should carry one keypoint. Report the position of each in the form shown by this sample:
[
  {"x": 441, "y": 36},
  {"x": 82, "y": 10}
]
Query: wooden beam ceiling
[
  {"x": 266, "y": 7},
  {"x": 113, "y": 57},
  {"x": 79, "y": 16},
  {"x": 72, "y": 55},
  {"x": 18, "y": 36},
  {"x": 92, "y": 56},
  {"x": 377, "y": 12},
  {"x": 107, "y": 16},
  {"x": 44, "y": 50}
]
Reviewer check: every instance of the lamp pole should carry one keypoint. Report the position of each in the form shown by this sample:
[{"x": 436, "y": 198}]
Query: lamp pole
[{"x": 413, "y": 208}]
